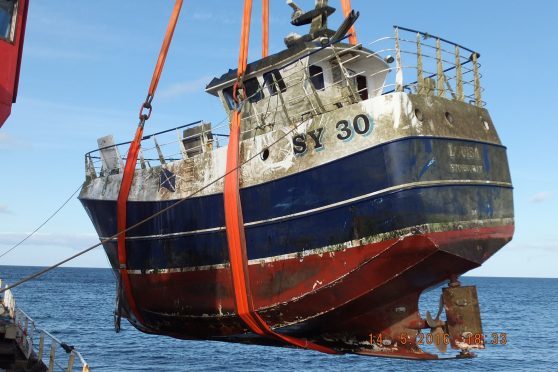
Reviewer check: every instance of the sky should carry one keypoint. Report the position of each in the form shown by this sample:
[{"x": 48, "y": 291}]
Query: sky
[{"x": 87, "y": 66}]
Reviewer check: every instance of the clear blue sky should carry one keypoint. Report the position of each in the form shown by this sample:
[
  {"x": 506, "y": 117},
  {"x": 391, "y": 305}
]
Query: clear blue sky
[{"x": 87, "y": 65}]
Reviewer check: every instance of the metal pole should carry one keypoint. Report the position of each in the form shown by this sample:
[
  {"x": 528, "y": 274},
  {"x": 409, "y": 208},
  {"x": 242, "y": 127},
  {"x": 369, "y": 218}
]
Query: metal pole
[
  {"x": 52, "y": 355},
  {"x": 71, "y": 362},
  {"x": 458, "y": 75},
  {"x": 399, "y": 71},
  {"x": 478, "y": 99},
  {"x": 41, "y": 346},
  {"x": 420, "y": 77},
  {"x": 159, "y": 152},
  {"x": 441, "y": 86}
]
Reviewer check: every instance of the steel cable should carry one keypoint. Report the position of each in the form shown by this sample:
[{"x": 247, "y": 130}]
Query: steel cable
[{"x": 42, "y": 224}]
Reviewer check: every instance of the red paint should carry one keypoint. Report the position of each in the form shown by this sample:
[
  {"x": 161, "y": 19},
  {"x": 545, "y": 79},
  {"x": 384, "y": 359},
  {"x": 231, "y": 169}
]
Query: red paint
[
  {"x": 355, "y": 285},
  {"x": 10, "y": 63}
]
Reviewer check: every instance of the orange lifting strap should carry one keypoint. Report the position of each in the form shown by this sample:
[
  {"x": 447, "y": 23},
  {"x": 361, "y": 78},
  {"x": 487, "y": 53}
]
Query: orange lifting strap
[
  {"x": 235, "y": 222},
  {"x": 131, "y": 160},
  {"x": 346, "y": 5},
  {"x": 265, "y": 28}
]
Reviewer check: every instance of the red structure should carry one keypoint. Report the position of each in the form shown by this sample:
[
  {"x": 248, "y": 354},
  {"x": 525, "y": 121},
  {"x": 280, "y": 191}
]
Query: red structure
[{"x": 13, "y": 16}]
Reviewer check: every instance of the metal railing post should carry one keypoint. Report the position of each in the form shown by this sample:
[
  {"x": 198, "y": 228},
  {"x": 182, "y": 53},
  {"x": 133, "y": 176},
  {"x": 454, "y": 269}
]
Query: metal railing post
[
  {"x": 181, "y": 144},
  {"x": 71, "y": 362},
  {"x": 441, "y": 86},
  {"x": 41, "y": 346},
  {"x": 142, "y": 160},
  {"x": 90, "y": 167},
  {"x": 420, "y": 78},
  {"x": 31, "y": 341},
  {"x": 159, "y": 152},
  {"x": 52, "y": 355},
  {"x": 345, "y": 74},
  {"x": 478, "y": 99},
  {"x": 399, "y": 70},
  {"x": 314, "y": 92},
  {"x": 458, "y": 76},
  {"x": 282, "y": 99}
]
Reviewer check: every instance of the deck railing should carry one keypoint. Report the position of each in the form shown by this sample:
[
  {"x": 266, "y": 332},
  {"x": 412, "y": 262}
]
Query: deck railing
[
  {"x": 434, "y": 65},
  {"x": 159, "y": 148},
  {"x": 416, "y": 62},
  {"x": 28, "y": 336}
]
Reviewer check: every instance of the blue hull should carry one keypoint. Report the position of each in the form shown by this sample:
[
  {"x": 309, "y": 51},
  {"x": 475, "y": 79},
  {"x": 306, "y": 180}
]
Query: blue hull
[{"x": 383, "y": 189}]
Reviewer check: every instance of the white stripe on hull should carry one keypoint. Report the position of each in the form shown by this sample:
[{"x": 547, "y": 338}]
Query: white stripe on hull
[{"x": 396, "y": 234}]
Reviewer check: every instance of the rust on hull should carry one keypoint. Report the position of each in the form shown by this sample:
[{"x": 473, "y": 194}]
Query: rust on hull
[{"x": 378, "y": 299}]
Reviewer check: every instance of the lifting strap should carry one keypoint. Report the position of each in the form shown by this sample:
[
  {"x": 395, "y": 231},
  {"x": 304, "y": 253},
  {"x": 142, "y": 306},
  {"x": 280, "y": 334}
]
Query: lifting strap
[
  {"x": 346, "y": 5},
  {"x": 265, "y": 28},
  {"x": 234, "y": 221},
  {"x": 130, "y": 167}
]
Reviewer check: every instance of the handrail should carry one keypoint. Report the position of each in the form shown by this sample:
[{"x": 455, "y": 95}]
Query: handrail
[
  {"x": 73, "y": 351},
  {"x": 427, "y": 35},
  {"x": 435, "y": 74},
  {"x": 432, "y": 75},
  {"x": 27, "y": 330},
  {"x": 144, "y": 137}
]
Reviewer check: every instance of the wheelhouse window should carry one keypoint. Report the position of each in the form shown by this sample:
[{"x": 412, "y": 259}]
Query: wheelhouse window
[
  {"x": 7, "y": 19},
  {"x": 362, "y": 88},
  {"x": 317, "y": 77},
  {"x": 273, "y": 80},
  {"x": 228, "y": 95},
  {"x": 253, "y": 90}
]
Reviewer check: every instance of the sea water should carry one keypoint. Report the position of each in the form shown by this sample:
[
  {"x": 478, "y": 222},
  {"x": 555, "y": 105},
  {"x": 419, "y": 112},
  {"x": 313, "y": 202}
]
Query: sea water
[{"x": 76, "y": 305}]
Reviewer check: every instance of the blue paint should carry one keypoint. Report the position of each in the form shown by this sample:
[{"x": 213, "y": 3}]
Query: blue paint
[
  {"x": 356, "y": 220},
  {"x": 427, "y": 145},
  {"x": 486, "y": 158},
  {"x": 358, "y": 174},
  {"x": 167, "y": 179},
  {"x": 368, "y": 171},
  {"x": 425, "y": 168}
]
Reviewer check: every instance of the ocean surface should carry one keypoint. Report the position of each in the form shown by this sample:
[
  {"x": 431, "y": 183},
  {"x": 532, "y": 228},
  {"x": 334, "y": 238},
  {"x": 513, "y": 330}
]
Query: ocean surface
[{"x": 76, "y": 305}]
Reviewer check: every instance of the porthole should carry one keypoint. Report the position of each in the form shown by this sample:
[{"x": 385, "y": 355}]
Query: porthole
[
  {"x": 418, "y": 114},
  {"x": 264, "y": 154},
  {"x": 449, "y": 117},
  {"x": 486, "y": 124}
]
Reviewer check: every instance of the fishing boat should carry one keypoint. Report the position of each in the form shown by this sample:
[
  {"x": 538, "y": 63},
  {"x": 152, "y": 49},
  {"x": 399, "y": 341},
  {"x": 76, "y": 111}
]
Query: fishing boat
[
  {"x": 368, "y": 173},
  {"x": 13, "y": 17}
]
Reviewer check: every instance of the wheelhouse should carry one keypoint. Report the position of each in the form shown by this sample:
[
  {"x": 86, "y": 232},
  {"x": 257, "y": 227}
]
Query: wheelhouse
[{"x": 301, "y": 82}]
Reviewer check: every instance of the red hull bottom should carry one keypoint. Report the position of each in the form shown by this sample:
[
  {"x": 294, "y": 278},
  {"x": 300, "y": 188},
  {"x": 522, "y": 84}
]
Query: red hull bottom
[{"x": 338, "y": 298}]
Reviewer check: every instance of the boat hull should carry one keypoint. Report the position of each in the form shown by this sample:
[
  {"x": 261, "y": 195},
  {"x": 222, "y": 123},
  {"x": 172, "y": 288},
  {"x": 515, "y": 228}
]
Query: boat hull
[
  {"x": 320, "y": 296},
  {"x": 329, "y": 248}
]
